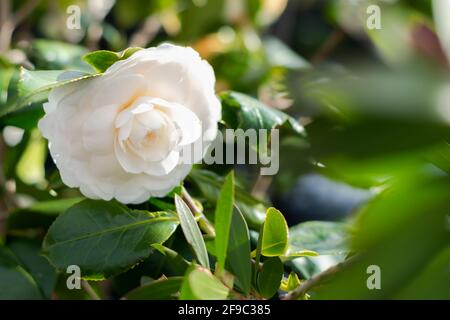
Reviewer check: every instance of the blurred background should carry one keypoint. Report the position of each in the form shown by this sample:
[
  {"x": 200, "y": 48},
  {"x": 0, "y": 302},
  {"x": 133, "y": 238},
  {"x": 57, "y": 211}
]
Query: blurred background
[{"x": 374, "y": 100}]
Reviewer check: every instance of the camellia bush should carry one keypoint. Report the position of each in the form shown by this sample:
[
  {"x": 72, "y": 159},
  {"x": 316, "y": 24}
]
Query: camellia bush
[{"x": 119, "y": 179}]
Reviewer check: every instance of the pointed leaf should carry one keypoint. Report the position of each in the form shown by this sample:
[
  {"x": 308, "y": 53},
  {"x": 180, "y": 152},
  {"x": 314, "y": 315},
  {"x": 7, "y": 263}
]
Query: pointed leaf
[
  {"x": 223, "y": 216},
  {"x": 105, "y": 238},
  {"x": 191, "y": 231},
  {"x": 275, "y": 234}
]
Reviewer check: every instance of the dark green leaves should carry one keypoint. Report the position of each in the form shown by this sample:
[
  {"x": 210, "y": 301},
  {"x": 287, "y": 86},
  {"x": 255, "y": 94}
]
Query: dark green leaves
[
  {"x": 40, "y": 214},
  {"x": 320, "y": 236},
  {"x": 238, "y": 253},
  {"x": 163, "y": 289},
  {"x": 244, "y": 112},
  {"x": 275, "y": 234},
  {"x": 269, "y": 279},
  {"x": 201, "y": 284},
  {"x": 191, "y": 231},
  {"x": 28, "y": 253},
  {"x": 15, "y": 281},
  {"x": 223, "y": 217},
  {"x": 101, "y": 60},
  {"x": 105, "y": 238}
]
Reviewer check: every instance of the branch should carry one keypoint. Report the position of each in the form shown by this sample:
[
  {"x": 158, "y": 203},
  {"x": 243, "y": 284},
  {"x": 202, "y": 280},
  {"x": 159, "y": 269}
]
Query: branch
[
  {"x": 204, "y": 223},
  {"x": 89, "y": 290},
  {"x": 314, "y": 281},
  {"x": 25, "y": 11},
  {"x": 9, "y": 22}
]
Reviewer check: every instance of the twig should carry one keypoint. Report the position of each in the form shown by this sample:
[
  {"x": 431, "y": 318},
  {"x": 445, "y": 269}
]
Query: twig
[
  {"x": 333, "y": 40},
  {"x": 25, "y": 11},
  {"x": 146, "y": 33},
  {"x": 204, "y": 223},
  {"x": 314, "y": 281},
  {"x": 261, "y": 186},
  {"x": 9, "y": 22},
  {"x": 89, "y": 290}
]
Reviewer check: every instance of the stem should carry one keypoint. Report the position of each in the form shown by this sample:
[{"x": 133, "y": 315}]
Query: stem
[
  {"x": 314, "y": 281},
  {"x": 333, "y": 40},
  {"x": 89, "y": 290},
  {"x": 9, "y": 22},
  {"x": 203, "y": 222}
]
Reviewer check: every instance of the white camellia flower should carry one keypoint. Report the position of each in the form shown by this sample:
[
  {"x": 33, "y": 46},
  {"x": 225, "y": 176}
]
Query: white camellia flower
[{"x": 123, "y": 134}]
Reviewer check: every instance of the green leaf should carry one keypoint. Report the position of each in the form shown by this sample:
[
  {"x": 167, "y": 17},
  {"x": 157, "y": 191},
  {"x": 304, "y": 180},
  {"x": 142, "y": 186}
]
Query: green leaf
[
  {"x": 238, "y": 254},
  {"x": 269, "y": 279},
  {"x": 321, "y": 237},
  {"x": 101, "y": 60},
  {"x": 177, "y": 263},
  {"x": 244, "y": 112},
  {"x": 290, "y": 283},
  {"x": 191, "y": 231},
  {"x": 223, "y": 217},
  {"x": 34, "y": 86},
  {"x": 200, "y": 284},
  {"x": 163, "y": 289},
  {"x": 40, "y": 214},
  {"x": 275, "y": 234},
  {"x": 210, "y": 183},
  {"x": 27, "y": 252},
  {"x": 105, "y": 238},
  {"x": 15, "y": 282},
  {"x": 403, "y": 231}
]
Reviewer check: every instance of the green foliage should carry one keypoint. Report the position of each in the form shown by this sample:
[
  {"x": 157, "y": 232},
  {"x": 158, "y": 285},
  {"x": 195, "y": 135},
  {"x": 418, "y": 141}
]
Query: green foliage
[
  {"x": 269, "y": 279},
  {"x": 319, "y": 236},
  {"x": 105, "y": 238},
  {"x": 101, "y": 60},
  {"x": 381, "y": 124},
  {"x": 275, "y": 234},
  {"x": 191, "y": 231},
  {"x": 223, "y": 219},
  {"x": 241, "y": 111},
  {"x": 39, "y": 215},
  {"x": 200, "y": 284},
  {"x": 15, "y": 281},
  {"x": 238, "y": 253},
  {"x": 162, "y": 289}
]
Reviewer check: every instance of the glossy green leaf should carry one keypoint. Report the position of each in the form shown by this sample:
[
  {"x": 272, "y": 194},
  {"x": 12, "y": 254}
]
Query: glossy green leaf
[
  {"x": 244, "y": 112},
  {"x": 238, "y": 253},
  {"x": 176, "y": 262},
  {"x": 405, "y": 246},
  {"x": 269, "y": 279},
  {"x": 101, "y": 60},
  {"x": 39, "y": 214},
  {"x": 15, "y": 282},
  {"x": 105, "y": 238},
  {"x": 290, "y": 283},
  {"x": 191, "y": 231},
  {"x": 201, "y": 284},
  {"x": 322, "y": 237},
  {"x": 223, "y": 217},
  {"x": 275, "y": 234},
  {"x": 35, "y": 85},
  {"x": 163, "y": 289},
  {"x": 28, "y": 254}
]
